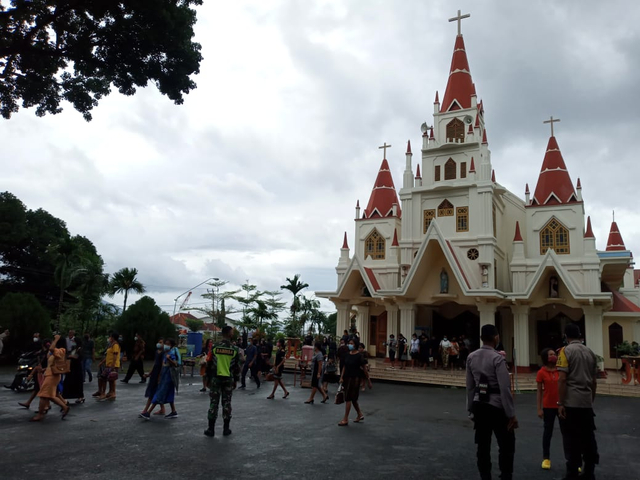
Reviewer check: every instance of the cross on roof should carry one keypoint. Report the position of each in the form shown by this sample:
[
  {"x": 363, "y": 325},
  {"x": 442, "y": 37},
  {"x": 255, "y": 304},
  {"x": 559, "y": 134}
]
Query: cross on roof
[
  {"x": 384, "y": 147},
  {"x": 459, "y": 20},
  {"x": 552, "y": 121}
]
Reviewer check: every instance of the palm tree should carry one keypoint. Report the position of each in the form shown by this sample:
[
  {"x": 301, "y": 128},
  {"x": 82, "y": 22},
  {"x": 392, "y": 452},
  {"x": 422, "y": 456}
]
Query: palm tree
[
  {"x": 124, "y": 281},
  {"x": 261, "y": 313},
  {"x": 295, "y": 286}
]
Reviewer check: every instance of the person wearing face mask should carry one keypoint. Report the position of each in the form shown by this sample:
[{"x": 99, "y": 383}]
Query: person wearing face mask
[
  {"x": 350, "y": 378},
  {"x": 167, "y": 387},
  {"x": 547, "y": 401},
  {"x": 136, "y": 360},
  {"x": 154, "y": 379},
  {"x": 109, "y": 374}
]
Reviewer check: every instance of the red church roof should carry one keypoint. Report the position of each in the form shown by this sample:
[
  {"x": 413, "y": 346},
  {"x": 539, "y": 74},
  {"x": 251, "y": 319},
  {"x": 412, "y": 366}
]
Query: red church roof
[
  {"x": 459, "y": 86},
  {"x": 181, "y": 318},
  {"x": 615, "y": 241},
  {"x": 383, "y": 195},
  {"x": 621, "y": 303},
  {"x": 554, "y": 183},
  {"x": 372, "y": 278}
]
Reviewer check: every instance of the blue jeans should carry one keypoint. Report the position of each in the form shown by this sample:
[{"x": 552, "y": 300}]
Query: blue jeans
[{"x": 86, "y": 368}]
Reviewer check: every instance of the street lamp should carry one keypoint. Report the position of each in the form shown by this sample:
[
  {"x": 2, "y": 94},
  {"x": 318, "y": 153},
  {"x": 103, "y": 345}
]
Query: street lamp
[{"x": 175, "y": 301}]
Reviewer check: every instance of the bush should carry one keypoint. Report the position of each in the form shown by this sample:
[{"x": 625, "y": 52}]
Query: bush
[
  {"x": 147, "y": 319},
  {"x": 23, "y": 315}
]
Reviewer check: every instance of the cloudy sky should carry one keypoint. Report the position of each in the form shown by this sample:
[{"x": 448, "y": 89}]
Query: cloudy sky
[{"x": 256, "y": 176}]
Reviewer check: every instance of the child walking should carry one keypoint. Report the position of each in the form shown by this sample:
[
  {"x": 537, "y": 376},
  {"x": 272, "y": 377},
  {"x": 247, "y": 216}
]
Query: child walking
[{"x": 547, "y": 401}]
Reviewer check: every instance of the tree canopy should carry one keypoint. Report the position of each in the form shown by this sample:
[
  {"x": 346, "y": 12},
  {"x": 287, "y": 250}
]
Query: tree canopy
[
  {"x": 23, "y": 315},
  {"x": 76, "y": 50},
  {"x": 147, "y": 319}
]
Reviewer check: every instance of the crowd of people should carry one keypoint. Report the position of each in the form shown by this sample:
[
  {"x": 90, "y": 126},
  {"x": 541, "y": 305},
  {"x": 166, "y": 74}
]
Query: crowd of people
[{"x": 566, "y": 383}]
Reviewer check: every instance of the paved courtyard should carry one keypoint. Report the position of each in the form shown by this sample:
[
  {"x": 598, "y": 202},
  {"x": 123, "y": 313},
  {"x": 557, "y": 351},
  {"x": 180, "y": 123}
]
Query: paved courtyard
[{"x": 409, "y": 432}]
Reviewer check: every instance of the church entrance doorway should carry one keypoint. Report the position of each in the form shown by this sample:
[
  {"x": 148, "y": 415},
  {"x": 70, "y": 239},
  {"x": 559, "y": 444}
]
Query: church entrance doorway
[
  {"x": 467, "y": 324},
  {"x": 378, "y": 333},
  {"x": 550, "y": 332}
]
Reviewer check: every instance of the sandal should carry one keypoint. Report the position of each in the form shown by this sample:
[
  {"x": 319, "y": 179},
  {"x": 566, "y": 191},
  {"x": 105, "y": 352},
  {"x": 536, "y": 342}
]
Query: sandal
[
  {"x": 286, "y": 395},
  {"x": 270, "y": 397},
  {"x": 343, "y": 424},
  {"x": 39, "y": 416},
  {"x": 65, "y": 413},
  {"x": 359, "y": 419},
  {"x": 79, "y": 401},
  {"x": 24, "y": 405}
]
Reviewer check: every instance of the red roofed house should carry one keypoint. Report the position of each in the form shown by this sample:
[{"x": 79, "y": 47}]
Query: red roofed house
[{"x": 452, "y": 249}]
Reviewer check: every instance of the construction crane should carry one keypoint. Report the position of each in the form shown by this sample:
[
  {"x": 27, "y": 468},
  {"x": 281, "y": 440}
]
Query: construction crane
[{"x": 186, "y": 300}]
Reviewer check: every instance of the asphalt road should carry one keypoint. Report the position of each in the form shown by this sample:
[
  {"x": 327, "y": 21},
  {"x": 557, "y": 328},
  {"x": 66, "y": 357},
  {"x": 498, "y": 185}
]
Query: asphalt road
[{"x": 409, "y": 432}]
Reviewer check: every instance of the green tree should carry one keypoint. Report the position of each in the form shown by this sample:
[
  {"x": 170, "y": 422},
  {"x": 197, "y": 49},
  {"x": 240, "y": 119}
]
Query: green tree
[
  {"x": 218, "y": 310},
  {"x": 247, "y": 297},
  {"x": 261, "y": 314},
  {"x": 73, "y": 50},
  {"x": 125, "y": 281},
  {"x": 194, "y": 324},
  {"x": 66, "y": 256},
  {"x": 331, "y": 324},
  {"x": 23, "y": 315},
  {"x": 147, "y": 319}
]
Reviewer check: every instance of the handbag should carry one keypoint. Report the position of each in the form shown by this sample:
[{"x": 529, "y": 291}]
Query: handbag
[
  {"x": 331, "y": 368},
  {"x": 270, "y": 377},
  {"x": 340, "y": 396},
  {"x": 60, "y": 366}
]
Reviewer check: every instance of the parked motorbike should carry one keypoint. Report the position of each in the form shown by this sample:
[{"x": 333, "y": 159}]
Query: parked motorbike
[{"x": 26, "y": 363}]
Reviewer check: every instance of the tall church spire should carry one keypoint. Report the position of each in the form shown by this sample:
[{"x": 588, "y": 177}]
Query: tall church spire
[
  {"x": 460, "y": 87},
  {"x": 615, "y": 242}
]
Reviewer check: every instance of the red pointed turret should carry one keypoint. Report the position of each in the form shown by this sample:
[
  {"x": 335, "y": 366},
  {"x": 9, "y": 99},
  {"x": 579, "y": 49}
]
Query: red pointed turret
[
  {"x": 518, "y": 235},
  {"x": 358, "y": 204},
  {"x": 395, "y": 238},
  {"x": 589, "y": 231},
  {"x": 526, "y": 189},
  {"x": 554, "y": 183},
  {"x": 615, "y": 241},
  {"x": 484, "y": 137},
  {"x": 436, "y": 100},
  {"x": 344, "y": 243},
  {"x": 460, "y": 87},
  {"x": 470, "y": 130},
  {"x": 383, "y": 196},
  {"x": 472, "y": 168},
  {"x": 493, "y": 176},
  {"x": 431, "y": 137},
  {"x": 579, "y": 185},
  {"x": 409, "y": 146},
  {"x": 418, "y": 172}
]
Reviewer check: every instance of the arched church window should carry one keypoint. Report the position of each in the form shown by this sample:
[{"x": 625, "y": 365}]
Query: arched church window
[
  {"x": 374, "y": 246},
  {"x": 455, "y": 131},
  {"x": 615, "y": 338},
  {"x": 554, "y": 236},
  {"x": 445, "y": 209},
  {"x": 450, "y": 170}
]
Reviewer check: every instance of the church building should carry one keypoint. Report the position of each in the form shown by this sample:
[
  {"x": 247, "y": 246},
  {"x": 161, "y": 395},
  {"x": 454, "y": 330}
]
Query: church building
[{"x": 453, "y": 249}]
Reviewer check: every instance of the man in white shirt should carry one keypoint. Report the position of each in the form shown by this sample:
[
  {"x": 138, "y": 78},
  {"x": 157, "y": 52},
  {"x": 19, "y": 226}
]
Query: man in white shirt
[{"x": 445, "y": 348}]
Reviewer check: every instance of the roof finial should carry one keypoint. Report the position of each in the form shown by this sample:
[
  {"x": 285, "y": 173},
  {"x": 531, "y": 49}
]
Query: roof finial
[
  {"x": 408, "y": 146},
  {"x": 614, "y": 215},
  {"x": 384, "y": 147},
  {"x": 551, "y": 121},
  {"x": 344, "y": 243},
  {"x": 458, "y": 19}
]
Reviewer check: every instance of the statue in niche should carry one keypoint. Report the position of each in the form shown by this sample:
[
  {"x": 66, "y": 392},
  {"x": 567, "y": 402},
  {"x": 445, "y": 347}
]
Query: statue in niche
[
  {"x": 444, "y": 281},
  {"x": 554, "y": 287}
]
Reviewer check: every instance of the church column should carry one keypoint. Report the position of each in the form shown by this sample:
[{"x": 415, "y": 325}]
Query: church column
[
  {"x": 521, "y": 337},
  {"x": 407, "y": 319},
  {"x": 362, "y": 323},
  {"x": 392, "y": 322},
  {"x": 487, "y": 313},
  {"x": 342, "y": 321},
  {"x": 593, "y": 329}
]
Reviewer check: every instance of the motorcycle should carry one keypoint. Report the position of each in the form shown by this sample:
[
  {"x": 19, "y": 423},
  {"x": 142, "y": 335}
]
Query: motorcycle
[{"x": 23, "y": 380}]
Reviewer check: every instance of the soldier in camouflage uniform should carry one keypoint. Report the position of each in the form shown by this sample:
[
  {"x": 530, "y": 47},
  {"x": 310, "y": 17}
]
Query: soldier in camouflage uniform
[{"x": 223, "y": 371}]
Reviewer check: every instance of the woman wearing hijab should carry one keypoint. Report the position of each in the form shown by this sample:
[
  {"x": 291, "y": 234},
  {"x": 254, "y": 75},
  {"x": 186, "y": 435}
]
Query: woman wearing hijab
[
  {"x": 316, "y": 375},
  {"x": 154, "y": 378},
  {"x": 350, "y": 378},
  {"x": 49, "y": 388},
  {"x": 167, "y": 388},
  {"x": 72, "y": 386},
  {"x": 278, "y": 368}
]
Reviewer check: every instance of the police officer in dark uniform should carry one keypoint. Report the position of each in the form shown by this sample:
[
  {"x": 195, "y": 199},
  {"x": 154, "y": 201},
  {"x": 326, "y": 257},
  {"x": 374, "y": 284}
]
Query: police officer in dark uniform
[{"x": 490, "y": 404}]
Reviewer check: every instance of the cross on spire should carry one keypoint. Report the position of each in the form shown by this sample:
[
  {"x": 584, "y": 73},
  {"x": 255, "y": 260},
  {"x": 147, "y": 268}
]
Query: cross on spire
[
  {"x": 459, "y": 20},
  {"x": 384, "y": 147},
  {"x": 552, "y": 121}
]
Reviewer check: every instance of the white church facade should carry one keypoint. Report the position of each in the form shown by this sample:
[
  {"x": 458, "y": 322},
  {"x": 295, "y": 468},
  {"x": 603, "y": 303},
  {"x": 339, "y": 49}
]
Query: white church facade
[{"x": 453, "y": 249}]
